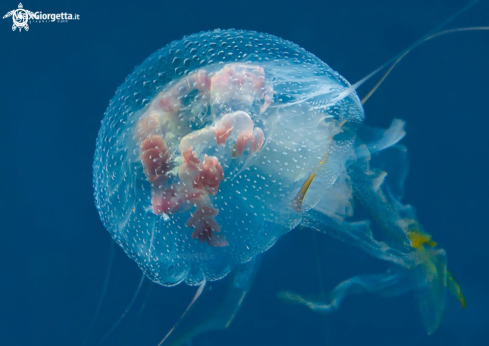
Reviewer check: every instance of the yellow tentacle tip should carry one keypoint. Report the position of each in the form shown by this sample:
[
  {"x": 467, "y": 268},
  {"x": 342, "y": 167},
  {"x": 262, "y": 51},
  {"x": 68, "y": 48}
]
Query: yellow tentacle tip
[
  {"x": 454, "y": 287},
  {"x": 418, "y": 239}
]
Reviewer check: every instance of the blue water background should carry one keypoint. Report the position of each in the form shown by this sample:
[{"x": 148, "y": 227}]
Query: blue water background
[{"x": 56, "y": 81}]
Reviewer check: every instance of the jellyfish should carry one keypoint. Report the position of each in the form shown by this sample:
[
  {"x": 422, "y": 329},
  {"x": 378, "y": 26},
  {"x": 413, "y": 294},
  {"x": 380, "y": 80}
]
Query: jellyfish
[{"x": 222, "y": 142}]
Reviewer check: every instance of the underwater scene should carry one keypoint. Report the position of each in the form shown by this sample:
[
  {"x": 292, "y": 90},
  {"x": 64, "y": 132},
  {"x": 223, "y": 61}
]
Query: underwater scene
[{"x": 248, "y": 174}]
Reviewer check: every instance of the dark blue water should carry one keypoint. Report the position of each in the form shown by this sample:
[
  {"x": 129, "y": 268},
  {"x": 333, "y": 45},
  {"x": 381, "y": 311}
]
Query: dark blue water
[{"x": 56, "y": 82}]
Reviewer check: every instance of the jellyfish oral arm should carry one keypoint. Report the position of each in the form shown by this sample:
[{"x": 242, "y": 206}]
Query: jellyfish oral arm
[
  {"x": 170, "y": 101},
  {"x": 155, "y": 157},
  {"x": 392, "y": 283},
  {"x": 240, "y": 81},
  {"x": 197, "y": 140},
  {"x": 249, "y": 138},
  {"x": 419, "y": 265},
  {"x": 198, "y": 182}
]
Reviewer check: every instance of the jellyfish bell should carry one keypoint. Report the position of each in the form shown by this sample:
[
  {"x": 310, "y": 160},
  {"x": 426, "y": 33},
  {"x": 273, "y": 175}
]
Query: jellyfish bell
[
  {"x": 205, "y": 146},
  {"x": 222, "y": 142}
]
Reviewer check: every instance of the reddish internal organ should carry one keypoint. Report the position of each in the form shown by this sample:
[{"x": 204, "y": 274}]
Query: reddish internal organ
[
  {"x": 247, "y": 81},
  {"x": 241, "y": 124},
  {"x": 155, "y": 158},
  {"x": 210, "y": 175},
  {"x": 199, "y": 177},
  {"x": 170, "y": 101}
]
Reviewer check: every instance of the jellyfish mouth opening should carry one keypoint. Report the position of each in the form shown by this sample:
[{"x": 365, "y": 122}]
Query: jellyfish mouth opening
[{"x": 206, "y": 112}]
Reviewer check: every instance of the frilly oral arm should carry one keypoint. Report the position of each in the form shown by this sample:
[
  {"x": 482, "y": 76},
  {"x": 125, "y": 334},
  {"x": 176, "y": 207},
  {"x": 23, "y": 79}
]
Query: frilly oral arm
[
  {"x": 170, "y": 100},
  {"x": 155, "y": 158},
  {"x": 243, "y": 81},
  {"x": 241, "y": 124}
]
